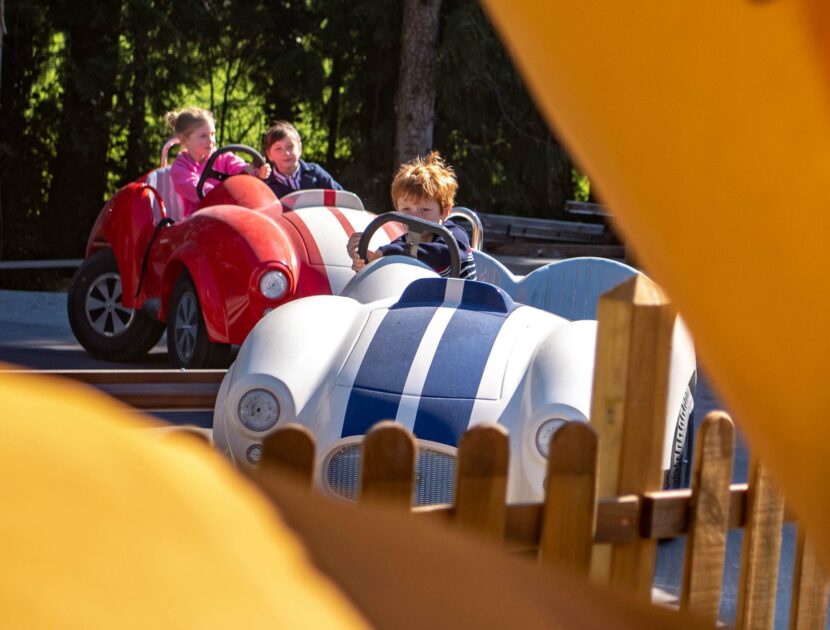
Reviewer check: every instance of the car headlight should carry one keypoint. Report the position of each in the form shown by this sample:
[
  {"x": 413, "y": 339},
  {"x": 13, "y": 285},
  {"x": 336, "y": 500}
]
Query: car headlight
[
  {"x": 273, "y": 284},
  {"x": 545, "y": 434},
  {"x": 259, "y": 410}
]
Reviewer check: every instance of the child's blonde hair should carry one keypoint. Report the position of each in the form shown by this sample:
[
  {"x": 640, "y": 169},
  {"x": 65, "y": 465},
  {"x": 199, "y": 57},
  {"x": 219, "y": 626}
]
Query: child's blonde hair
[
  {"x": 428, "y": 178},
  {"x": 187, "y": 119}
]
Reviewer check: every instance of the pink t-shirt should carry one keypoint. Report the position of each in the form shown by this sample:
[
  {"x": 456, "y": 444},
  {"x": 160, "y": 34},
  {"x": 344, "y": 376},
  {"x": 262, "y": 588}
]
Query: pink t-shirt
[{"x": 185, "y": 173}]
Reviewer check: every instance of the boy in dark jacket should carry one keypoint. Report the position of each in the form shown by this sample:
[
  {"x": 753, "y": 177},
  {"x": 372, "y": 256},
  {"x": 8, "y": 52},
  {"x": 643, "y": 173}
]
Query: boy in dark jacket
[
  {"x": 283, "y": 148},
  {"x": 424, "y": 189}
]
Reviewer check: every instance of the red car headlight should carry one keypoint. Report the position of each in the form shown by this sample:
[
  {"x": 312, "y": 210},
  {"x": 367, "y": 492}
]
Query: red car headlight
[{"x": 273, "y": 284}]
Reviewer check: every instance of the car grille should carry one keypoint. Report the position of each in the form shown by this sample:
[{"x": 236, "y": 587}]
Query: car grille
[{"x": 434, "y": 475}]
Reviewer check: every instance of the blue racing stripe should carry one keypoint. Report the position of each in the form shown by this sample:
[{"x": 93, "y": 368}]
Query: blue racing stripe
[
  {"x": 443, "y": 420},
  {"x": 480, "y": 296},
  {"x": 455, "y": 372},
  {"x": 382, "y": 374},
  {"x": 368, "y": 407}
]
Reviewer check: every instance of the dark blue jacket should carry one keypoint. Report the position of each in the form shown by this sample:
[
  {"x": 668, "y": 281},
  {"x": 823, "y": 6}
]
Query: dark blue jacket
[
  {"x": 436, "y": 253},
  {"x": 311, "y": 176}
]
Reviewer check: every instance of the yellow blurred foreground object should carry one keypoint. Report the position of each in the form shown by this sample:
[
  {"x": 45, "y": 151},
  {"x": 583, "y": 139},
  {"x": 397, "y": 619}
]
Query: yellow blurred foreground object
[
  {"x": 104, "y": 525},
  {"x": 706, "y": 128}
]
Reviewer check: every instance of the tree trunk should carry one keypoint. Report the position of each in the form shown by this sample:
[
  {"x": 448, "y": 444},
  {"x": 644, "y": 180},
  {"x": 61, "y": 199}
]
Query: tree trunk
[
  {"x": 79, "y": 173},
  {"x": 23, "y": 152},
  {"x": 560, "y": 179},
  {"x": 137, "y": 146},
  {"x": 2, "y": 30},
  {"x": 415, "y": 101}
]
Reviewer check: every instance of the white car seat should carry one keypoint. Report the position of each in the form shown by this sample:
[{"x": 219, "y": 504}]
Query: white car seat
[
  {"x": 570, "y": 288},
  {"x": 321, "y": 197},
  {"x": 162, "y": 182}
]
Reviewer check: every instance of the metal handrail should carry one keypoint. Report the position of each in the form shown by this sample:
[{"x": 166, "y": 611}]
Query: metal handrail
[
  {"x": 64, "y": 263},
  {"x": 166, "y": 148},
  {"x": 477, "y": 237}
]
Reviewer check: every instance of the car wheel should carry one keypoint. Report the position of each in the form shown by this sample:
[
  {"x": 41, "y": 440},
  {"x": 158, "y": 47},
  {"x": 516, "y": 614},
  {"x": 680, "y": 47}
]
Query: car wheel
[
  {"x": 679, "y": 474},
  {"x": 99, "y": 320},
  {"x": 188, "y": 345}
]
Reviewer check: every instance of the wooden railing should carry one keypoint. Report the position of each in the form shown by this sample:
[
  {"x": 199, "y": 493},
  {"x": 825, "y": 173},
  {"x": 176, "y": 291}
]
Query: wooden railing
[
  {"x": 151, "y": 390},
  {"x": 572, "y": 525},
  {"x": 506, "y": 235}
]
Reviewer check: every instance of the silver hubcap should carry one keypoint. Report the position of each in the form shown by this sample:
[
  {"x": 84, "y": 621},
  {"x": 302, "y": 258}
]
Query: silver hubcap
[
  {"x": 104, "y": 311},
  {"x": 186, "y": 327}
]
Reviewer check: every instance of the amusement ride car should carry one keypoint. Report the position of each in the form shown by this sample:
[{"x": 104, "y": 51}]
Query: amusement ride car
[
  {"x": 209, "y": 276},
  {"x": 437, "y": 355}
]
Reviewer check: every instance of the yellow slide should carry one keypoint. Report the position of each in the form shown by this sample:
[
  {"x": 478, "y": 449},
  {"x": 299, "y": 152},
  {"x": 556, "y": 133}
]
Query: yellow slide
[{"x": 706, "y": 128}]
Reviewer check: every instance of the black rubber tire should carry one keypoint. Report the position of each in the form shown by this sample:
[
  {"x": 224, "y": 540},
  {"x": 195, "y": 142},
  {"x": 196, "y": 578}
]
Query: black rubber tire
[
  {"x": 188, "y": 345},
  {"x": 679, "y": 474},
  {"x": 104, "y": 328}
]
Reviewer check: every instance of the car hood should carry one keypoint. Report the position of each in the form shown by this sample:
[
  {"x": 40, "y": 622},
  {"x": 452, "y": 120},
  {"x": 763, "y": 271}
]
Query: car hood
[{"x": 444, "y": 346}]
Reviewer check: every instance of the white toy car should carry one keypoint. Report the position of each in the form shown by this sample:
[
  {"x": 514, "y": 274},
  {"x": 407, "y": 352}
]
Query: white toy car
[{"x": 437, "y": 355}]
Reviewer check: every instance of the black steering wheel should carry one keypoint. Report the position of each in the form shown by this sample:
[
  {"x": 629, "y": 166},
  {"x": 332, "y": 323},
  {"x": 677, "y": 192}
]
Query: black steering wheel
[
  {"x": 211, "y": 173},
  {"x": 415, "y": 225}
]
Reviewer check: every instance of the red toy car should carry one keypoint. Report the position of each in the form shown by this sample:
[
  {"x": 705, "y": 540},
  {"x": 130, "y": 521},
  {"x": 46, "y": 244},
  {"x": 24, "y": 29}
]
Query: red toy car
[{"x": 209, "y": 276}]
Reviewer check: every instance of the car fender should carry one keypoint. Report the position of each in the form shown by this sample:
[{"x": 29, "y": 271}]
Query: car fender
[
  {"x": 269, "y": 359},
  {"x": 126, "y": 224},
  {"x": 557, "y": 385},
  {"x": 244, "y": 244}
]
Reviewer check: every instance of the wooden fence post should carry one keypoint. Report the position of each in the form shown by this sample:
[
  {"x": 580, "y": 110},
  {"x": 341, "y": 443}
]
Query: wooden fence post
[
  {"x": 760, "y": 552},
  {"x": 628, "y": 411},
  {"x": 708, "y": 518},
  {"x": 569, "y": 512},
  {"x": 481, "y": 480},
  {"x": 811, "y": 587},
  {"x": 387, "y": 465},
  {"x": 289, "y": 449}
]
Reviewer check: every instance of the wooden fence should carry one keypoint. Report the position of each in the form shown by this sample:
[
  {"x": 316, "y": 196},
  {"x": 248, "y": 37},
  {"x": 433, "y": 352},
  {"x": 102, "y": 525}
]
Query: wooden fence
[
  {"x": 572, "y": 526},
  {"x": 604, "y": 511}
]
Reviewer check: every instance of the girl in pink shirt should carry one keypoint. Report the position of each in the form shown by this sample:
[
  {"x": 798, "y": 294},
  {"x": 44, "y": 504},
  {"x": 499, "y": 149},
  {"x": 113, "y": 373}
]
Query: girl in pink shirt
[{"x": 196, "y": 131}]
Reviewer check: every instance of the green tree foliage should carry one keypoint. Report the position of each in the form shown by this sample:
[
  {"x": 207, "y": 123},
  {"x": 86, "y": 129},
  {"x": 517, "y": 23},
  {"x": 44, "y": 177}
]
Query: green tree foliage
[
  {"x": 506, "y": 158},
  {"x": 85, "y": 87},
  {"x": 28, "y": 116},
  {"x": 88, "y": 79}
]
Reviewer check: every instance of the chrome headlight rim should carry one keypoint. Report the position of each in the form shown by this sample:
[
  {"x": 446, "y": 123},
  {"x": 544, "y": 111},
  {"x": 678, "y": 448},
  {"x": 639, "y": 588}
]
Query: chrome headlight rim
[
  {"x": 545, "y": 433},
  {"x": 258, "y": 409},
  {"x": 274, "y": 284}
]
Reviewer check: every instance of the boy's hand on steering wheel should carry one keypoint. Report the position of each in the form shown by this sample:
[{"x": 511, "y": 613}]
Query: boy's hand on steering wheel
[
  {"x": 357, "y": 263},
  {"x": 351, "y": 248}
]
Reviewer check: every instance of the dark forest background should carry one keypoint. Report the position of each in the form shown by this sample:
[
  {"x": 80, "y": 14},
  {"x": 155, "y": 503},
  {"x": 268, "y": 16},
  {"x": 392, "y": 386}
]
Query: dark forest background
[{"x": 84, "y": 87}]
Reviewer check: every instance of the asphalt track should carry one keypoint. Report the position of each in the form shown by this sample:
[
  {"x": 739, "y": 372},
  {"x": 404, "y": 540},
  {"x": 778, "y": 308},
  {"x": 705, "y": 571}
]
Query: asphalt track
[{"x": 35, "y": 333}]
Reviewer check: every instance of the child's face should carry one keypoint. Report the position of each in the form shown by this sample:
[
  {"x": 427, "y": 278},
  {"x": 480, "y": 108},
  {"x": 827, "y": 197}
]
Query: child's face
[
  {"x": 285, "y": 154},
  {"x": 424, "y": 208},
  {"x": 200, "y": 142}
]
